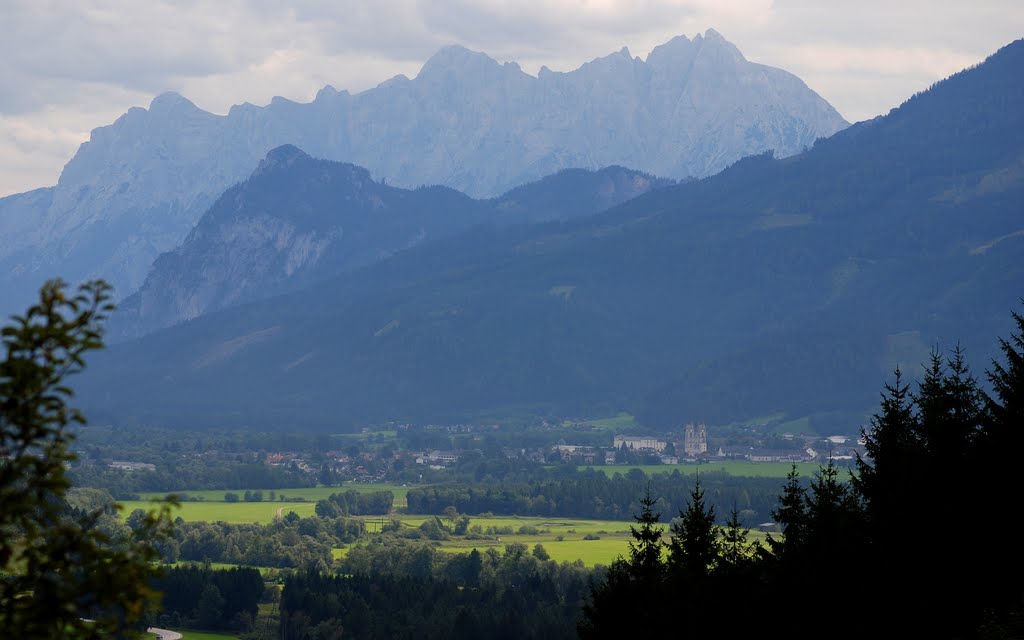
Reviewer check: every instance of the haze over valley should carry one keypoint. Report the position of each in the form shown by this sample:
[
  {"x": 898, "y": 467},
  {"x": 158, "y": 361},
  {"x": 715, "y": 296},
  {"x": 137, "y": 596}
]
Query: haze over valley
[{"x": 494, "y": 334}]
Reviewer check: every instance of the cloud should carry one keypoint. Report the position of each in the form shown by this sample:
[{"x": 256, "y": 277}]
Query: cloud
[{"x": 72, "y": 66}]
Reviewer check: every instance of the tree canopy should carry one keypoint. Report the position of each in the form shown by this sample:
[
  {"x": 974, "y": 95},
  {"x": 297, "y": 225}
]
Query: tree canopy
[{"x": 61, "y": 575}]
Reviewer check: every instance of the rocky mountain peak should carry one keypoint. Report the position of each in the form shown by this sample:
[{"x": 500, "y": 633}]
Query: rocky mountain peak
[
  {"x": 456, "y": 59},
  {"x": 466, "y": 121},
  {"x": 714, "y": 41},
  {"x": 169, "y": 101},
  {"x": 280, "y": 157}
]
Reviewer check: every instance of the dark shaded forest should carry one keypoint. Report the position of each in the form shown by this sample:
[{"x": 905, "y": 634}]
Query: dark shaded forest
[
  {"x": 903, "y": 544},
  {"x": 593, "y": 494}
]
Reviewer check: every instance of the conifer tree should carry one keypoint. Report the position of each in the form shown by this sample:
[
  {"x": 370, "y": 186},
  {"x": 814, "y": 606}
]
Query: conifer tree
[
  {"x": 791, "y": 516},
  {"x": 634, "y": 584},
  {"x": 693, "y": 548},
  {"x": 1002, "y": 588},
  {"x": 645, "y": 549},
  {"x": 736, "y": 551},
  {"x": 890, "y": 471}
]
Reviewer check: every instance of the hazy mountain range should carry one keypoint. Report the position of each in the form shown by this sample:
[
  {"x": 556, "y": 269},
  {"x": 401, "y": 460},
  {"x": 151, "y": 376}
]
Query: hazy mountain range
[
  {"x": 138, "y": 187},
  {"x": 298, "y": 220},
  {"x": 786, "y": 287}
]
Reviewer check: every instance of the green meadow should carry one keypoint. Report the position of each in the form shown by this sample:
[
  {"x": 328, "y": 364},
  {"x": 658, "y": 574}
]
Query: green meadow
[
  {"x": 213, "y": 508},
  {"x": 220, "y": 566},
  {"x": 307, "y": 494},
  {"x": 231, "y": 512},
  {"x": 613, "y": 537},
  {"x": 621, "y": 421},
  {"x": 563, "y": 538}
]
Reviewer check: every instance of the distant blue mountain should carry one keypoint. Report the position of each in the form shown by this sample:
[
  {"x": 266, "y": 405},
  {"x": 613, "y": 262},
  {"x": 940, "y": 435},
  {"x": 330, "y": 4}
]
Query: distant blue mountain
[
  {"x": 298, "y": 220},
  {"x": 138, "y": 186},
  {"x": 785, "y": 287}
]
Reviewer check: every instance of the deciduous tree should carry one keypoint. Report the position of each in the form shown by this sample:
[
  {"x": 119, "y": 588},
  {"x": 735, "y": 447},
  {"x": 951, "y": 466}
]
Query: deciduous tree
[{"x": 62, "y": 576}]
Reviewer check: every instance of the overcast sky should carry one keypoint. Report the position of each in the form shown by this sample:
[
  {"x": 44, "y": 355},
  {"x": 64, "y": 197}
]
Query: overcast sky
[{"x": 73, "y": 65}]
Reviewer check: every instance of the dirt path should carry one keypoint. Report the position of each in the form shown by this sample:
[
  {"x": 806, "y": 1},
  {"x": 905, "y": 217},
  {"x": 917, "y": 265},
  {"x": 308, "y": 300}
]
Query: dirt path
[{"x": 164, "y": 634}]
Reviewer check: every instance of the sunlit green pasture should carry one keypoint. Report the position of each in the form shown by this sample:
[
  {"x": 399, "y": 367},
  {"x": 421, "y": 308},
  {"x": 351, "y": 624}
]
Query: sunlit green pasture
[
  {"x": 232, "y": 512},
  {"x": 621, "y": 421},
  {"x": 732, "y": 467},
  {"x": 213, "y": 508},
  {"x": 614, "y": 537},
  {"x": 309, "y": 494},
  {"x": 570, "y": 549},
  {"x": 220, "y": 566}
]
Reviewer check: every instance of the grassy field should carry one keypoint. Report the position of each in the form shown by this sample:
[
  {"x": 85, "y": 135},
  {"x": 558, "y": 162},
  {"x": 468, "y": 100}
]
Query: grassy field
[
  {"x": 201, "y": 635},
  {"x": 309, "y": 494},
  {"x": 213, "y": 508},
  {"x": 232, "y": 512},
  {"x": 613, "y": 538},
  {"x": 220, "y": 566},
  {"x": 621, "y": 421},
  {"x": 732, "y": 467}
]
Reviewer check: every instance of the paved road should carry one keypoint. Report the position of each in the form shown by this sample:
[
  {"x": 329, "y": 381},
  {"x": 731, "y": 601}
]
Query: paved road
[{"x": 164, "y": 634}]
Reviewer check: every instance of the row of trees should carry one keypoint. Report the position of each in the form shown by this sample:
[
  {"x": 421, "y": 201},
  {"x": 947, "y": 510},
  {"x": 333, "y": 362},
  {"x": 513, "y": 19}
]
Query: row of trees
[
  {"x": 355, "y": 503},
  {"x": 175, "y": 473},
  {"x": 593, "y": 494},
  {"x": 288, "y": 542},
  {"x": 411, "y": 590},
  {"x": 205, "y": 598},
  {"x": 907, "y": 544}
]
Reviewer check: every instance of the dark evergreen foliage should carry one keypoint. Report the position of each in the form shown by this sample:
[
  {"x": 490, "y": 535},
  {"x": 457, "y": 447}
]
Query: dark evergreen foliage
[
  {"x": 593, "y": 494},
  {"x": 205, "y": 598},
  {"x": 634, "y": 584},
  {"x": 356, "y": 503},
  {"x": 409, "y": 590},
  {"x": 903, "y": 546}
]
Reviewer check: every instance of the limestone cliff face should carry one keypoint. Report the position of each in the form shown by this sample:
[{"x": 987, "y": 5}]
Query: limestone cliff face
[
  {"x": 139, "y": 185},
  {"x": 298, "y": 220}
]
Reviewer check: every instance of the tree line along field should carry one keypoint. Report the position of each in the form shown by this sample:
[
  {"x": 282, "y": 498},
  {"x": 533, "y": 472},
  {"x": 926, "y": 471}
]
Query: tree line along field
[
  {"x": 611, "y": 537},
  {"x": 732, "y": 467},
  {"x": 210, "y": 505},
  {"x": 565, "y": 539},
  {"x": 304, "y": 494}
]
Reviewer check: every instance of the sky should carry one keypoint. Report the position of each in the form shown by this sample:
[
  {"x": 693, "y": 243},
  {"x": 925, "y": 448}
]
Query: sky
[{"x": 73, "y": 65}]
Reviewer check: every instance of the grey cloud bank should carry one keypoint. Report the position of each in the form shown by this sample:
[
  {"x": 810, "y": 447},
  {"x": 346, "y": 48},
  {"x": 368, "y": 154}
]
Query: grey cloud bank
[{"x": 71, "y": 67}]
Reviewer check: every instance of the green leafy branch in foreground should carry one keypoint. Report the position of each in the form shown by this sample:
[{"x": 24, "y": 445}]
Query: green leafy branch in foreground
[{"x": 60, "y": 574}]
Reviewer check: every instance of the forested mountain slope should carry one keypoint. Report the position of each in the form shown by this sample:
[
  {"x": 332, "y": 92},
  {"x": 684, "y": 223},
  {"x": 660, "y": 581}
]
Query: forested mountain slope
[{"x": 778, "y": 286}]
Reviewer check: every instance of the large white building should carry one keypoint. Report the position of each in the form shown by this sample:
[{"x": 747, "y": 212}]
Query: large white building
[{"x": 638, "y": 443}]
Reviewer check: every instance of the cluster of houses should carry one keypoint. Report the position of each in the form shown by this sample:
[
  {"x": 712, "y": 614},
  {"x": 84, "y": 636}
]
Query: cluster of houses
[
  {"x": 124, "y": 465},
  {"x": 693, "y": 447},
  {"x": 437, "y": 459}
]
